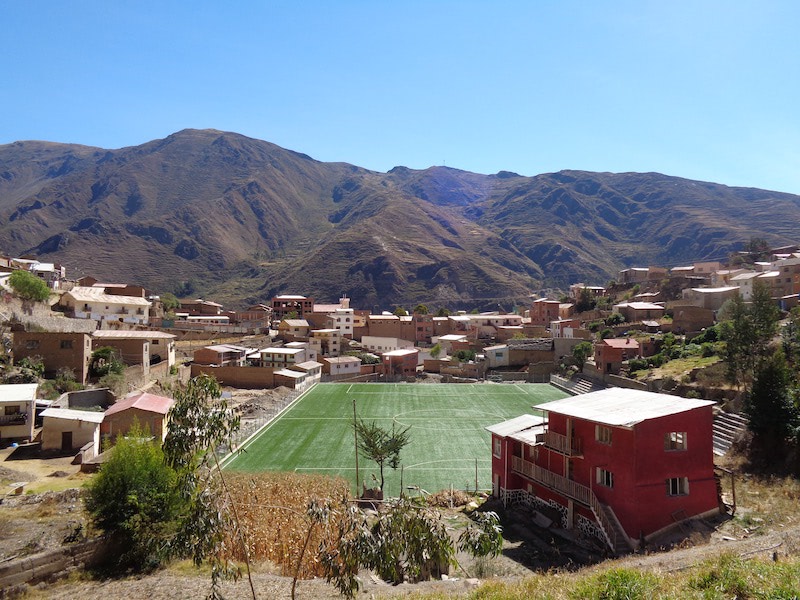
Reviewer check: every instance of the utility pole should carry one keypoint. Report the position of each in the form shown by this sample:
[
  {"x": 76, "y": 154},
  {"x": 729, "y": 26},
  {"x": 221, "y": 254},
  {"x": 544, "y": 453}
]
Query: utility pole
[{"x": 355, "y": 438}]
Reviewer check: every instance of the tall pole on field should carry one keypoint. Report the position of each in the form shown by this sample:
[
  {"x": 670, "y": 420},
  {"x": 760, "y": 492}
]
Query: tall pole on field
[{"x": 355, "y": 438}]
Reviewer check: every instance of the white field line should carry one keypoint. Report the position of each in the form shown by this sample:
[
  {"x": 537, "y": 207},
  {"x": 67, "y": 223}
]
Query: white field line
[{"x": 264, "y": 428}]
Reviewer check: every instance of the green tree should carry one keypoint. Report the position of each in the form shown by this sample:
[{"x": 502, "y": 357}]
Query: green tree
[
  {"x": 28, "y": 287},
  {"x": 105, "y": 360},
  {"x": 748, "y": 332},
  {"x": 435, "y": 350},
  {"x": 200, "y": 423},
  {"x": 443, "y": 312},
  {"x": 582, "y": 351},
  {"x": 770, "y": 407},
  {"x": 381, "y": 445},
  {"x": 135, "y": 501},
  {"x": 585, "y": 301},
  {"x": 464, "y": 355},
  {"x": 421, "y": 309},
  {"x": 170, "y": 302},
  {"x": 615, "y": 319},
  {"x": 400, "y": 312}
]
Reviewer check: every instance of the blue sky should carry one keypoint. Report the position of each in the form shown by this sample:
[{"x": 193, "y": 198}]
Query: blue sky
[{"x": 698, "y": 89}]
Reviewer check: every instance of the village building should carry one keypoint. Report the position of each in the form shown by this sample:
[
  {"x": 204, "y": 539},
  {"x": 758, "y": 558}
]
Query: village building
[
  {"x": 58, "y": 351},
  {"x": 149, "y": 411},
  {"x": 400, "y": 362},
  {"x": 94, "y": 303},
  {"x": 17, "y": 411},
  {"x": 621, "y": 464},
  {"x": 69, "y": 430}
]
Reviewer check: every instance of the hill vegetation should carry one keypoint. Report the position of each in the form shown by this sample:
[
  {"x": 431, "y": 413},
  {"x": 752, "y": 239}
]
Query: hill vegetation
[{"x": 207, "y": 212}]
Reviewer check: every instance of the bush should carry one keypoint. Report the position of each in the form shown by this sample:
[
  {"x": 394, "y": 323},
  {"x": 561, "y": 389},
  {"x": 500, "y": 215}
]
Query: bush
[
  {"x": 135, "y": 500},
  {"x": 28, "y": 287},
  {"x": 637, "y": 364},
  {"x": 104, "y": 362}
]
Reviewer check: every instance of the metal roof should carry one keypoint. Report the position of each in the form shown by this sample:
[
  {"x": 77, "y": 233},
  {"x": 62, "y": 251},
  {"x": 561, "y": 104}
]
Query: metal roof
[
  {"x": 144, "y": 401},
  {"x": 515, "y": 425},
  {"x": 92, "y": 294},
  {"x": 133, "y": 334},
  {"x": 71, "y": 414},
  {"x": 18, "y": 392},
  {"x": 622, "y": 407}
]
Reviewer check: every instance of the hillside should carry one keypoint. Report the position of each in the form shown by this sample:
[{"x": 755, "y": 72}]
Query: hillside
[{"x": 214, "y": 213}]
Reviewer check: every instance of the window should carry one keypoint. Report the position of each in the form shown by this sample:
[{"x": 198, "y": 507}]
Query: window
[
  {"x": 678, "y": 486},
  {"x": 605, "y": 478},
  {"x": 602, "y": 434},
  {"x": 154, "y": 342},
  {"x": 675, "y": 440},
  {"x": 31, "y": 344},
  {"x": 66, "y": 344},
  {"x": 498, "y": 448},
  {"x": 12, "y": 410}
]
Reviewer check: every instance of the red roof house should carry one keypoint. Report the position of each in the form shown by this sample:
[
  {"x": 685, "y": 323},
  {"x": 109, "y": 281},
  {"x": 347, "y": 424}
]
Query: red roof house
[
  {"x": 620, "y": 464},
  {"x": 149, "y": 410},
  {"x": 609, "y": 354}
]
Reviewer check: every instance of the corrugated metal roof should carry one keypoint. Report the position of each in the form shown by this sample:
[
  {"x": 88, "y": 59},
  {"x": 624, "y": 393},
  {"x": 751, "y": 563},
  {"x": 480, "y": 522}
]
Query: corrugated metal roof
[
  {"x": 70, "y": 414},
  {"x": 91, "y": 294},
  {"x": 18, "y": 392},
  {"x": 622, "y": 407},
  {"x": 144, "y": 401},
  {"x": 133, "y": 334},
  {"x": 515, "y": 425}
]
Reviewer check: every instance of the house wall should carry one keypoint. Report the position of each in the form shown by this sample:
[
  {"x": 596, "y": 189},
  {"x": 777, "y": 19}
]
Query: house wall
[
  {"x": 21, "y": 431},
  {"x": 641, "y": 467},
  {"x": 57, "y": 350},
  {"x": 241, "y": 377},
  {"x": 121, "y": 423},
  {"x": 82, "y": 433}
]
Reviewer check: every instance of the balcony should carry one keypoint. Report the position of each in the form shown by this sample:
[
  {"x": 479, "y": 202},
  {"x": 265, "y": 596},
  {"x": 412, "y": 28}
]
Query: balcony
[
  {"x": 567, "y": 487},
  {"x": 569, "y": 446},
  {"x": 16, "y": 419}
]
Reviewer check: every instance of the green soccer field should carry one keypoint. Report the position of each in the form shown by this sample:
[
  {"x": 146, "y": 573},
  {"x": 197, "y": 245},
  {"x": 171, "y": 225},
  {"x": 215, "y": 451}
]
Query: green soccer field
[{"x": 447, "y": 432}]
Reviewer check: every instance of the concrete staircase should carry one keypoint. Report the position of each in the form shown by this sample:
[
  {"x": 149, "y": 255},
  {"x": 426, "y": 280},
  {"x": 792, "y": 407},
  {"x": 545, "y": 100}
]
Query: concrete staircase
[
  {"x": 578, "y": 384},
  {"x": 621, "y": 546},
  {"x": 727, "y": 427}
]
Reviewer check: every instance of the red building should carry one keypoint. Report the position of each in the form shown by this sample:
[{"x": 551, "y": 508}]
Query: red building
[
  {"x": 609, "y": 354},
  {"x": 543, "y": 311},
  {"x": 400, "y": 362},
  {"x": 618, "y": 464}
]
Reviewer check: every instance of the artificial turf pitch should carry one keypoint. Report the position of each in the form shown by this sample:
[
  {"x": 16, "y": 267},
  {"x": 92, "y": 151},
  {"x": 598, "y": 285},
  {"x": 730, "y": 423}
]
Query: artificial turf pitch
[{"x": 447, "y": 435}]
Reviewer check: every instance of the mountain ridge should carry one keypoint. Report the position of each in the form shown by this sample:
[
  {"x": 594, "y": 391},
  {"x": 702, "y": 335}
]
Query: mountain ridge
[{"x": 218, "y": 213}]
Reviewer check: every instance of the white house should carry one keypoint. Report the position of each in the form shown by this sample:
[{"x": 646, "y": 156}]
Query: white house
[
  {"x": 17, "y": 409},
  {"x": 94, "y": 303}
]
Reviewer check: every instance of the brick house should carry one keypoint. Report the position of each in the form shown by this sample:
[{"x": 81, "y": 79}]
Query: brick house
[
  {"x": 400, "y": 362},
  {"x": 71, "y": 351},
  {"x": 149, "y": 410},
  {"x": 609, "y": 354},
  {"x": 621, "y": 464}
]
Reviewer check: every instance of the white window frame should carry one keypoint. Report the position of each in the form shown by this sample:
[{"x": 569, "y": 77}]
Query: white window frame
[
  {"x": 677, "y": 486},
  {"x": 604, "y": 477},
  {"x": 675, "y": 441},
  {"x": 603, "y": 434},
  {"x": 497, "y": 447}
]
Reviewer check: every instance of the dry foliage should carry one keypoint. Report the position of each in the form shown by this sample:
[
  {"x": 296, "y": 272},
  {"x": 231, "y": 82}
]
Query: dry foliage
[
  {"x": 272, "y": 512},
  {"x": 449, "y": 498}
]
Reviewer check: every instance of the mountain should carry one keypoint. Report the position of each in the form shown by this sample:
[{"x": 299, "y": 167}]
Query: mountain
[{"x": 204, "y": 212}]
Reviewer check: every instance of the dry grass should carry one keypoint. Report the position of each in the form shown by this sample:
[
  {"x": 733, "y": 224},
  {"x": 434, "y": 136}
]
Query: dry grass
[{"x": 271, "y": 507}]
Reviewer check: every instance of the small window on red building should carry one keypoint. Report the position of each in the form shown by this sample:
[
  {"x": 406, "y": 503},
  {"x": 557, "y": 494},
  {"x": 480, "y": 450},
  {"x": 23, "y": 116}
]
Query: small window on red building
[
  {"x": 602, "y": 434},
  {"x": 66, "y": 344},
  {"x": 498, "y": 448},
  {"x": 605, "y": 478},
  {"x": 678, "y": 486},
  {"x": 675, "y": 440}
]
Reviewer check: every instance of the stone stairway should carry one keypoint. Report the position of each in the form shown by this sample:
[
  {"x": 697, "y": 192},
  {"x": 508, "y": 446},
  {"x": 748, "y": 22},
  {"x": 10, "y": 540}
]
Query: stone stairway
[{"x": 727, "y": 427}]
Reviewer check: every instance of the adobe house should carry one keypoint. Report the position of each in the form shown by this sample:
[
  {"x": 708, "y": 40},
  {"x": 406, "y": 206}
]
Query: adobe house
[
  {"x": 149, "y": 410},
  {"x": 544, "y": 311},
  {"x": 69, "y": 430},
  {"x": 341, "y": 366},
  {"x": 286, "y": 304},
  {"x": 639, "y": 311},
  {"x": 619, "y": 464},
  {"x": 57, "y": 350},
  {"x": 222, "y": 355},
  {"x": 400, "y": 362},
  {"x": 609, "y": 354},
  {"x": 94, "y": 303},
  {"x": 141, "y": 347},
  {"x": 293, "y": 329}
]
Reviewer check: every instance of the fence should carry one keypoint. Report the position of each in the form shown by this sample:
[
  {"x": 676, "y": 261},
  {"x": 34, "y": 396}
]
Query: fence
[{"x": 250, "y": 427}]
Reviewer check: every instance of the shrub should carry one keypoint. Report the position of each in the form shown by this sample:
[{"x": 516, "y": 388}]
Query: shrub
[
  {"x": 617, "y": 584},
  {"x": 134, "y": 499},
  {"x": 28, "y": 287},
  {"x": 104, "y": 362}
]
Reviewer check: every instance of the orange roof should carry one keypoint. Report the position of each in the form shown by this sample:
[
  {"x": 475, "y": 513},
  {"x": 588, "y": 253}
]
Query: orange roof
[{"x": 144, "y": 401}]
